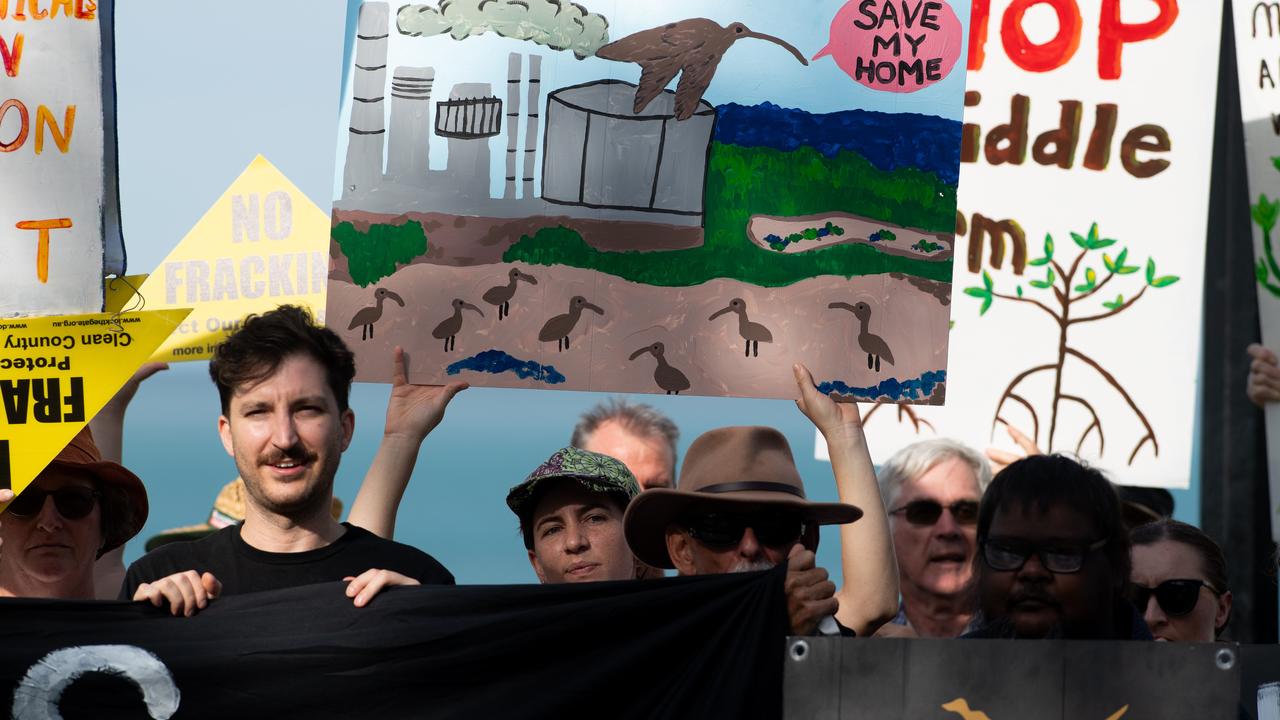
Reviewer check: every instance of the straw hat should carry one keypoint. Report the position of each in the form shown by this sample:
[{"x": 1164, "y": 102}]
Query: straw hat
[
  {"x": 228, "y": 510},
  {"x": 724, "y": 469}
]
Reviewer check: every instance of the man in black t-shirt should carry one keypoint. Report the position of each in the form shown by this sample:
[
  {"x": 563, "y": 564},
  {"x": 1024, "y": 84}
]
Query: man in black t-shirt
[{"x": 284, "y": 384}]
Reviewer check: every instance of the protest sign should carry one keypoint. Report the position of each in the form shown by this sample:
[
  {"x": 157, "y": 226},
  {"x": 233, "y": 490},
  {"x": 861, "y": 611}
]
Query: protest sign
[
  {"x": 1257, "y": 27},
  {"x": 262, "y": 244},
  {"x": 59, "y": 222},
  {"x": 561, "y": 220},
  {"x": 825, "y": 678},
  {"x": 1082, "y": 215},
  {"x": 57, "y": 372}
]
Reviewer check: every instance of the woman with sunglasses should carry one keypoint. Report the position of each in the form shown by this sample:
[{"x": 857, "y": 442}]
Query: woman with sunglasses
[
  {"x": 78, "y": 508},
  {"x": 1179, "y": 582}
]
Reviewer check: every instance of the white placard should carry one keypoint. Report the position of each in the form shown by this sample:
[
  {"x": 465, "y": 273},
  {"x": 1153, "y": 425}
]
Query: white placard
[
  {"x": 1257, "y": 34},
  {"x": 51, "y": 158},
  {"x": 1112, "y": 374}
]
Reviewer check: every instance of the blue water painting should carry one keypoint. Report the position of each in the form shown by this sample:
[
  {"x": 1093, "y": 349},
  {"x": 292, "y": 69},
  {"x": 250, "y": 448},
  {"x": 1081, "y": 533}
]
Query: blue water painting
[
  {"x": 892, "y": 388},
  {"x": 497, "y": 362},
  {"x": 888, "y": 140}
]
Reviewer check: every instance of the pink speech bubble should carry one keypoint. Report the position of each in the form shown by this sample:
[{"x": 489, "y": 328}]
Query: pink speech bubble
[{"x": 895, "y": 45}]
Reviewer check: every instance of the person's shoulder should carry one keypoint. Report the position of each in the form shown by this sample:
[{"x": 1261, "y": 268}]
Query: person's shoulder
[{"x": 401, "y": 558}]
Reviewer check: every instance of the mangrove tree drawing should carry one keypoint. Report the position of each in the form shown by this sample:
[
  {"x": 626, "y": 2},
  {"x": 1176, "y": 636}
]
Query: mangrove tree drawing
[
  {"x": 1063, "y": 287},
  {"x": 610, "y": 196},
  {"x": 1264, "y": 214}
]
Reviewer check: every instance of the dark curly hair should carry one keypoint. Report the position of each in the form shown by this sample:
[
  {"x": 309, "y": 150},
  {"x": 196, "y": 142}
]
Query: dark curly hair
[
  {"x": 263, "y": 342},
  {"x": 1040, "y": 482}
]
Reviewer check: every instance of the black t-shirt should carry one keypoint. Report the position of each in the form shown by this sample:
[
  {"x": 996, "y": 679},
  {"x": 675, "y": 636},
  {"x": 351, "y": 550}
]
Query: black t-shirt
[{"x": 245, "y": 569}]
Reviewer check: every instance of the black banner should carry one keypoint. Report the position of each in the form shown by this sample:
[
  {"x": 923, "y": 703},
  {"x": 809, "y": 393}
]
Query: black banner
[{"x": 681, "y": 647}]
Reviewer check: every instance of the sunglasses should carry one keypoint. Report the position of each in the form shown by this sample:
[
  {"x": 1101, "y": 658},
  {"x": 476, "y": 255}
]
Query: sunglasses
[
  {"x": 1010, "y": 554},
  {"x": 1176, "y": 597},
  {"x": 927, "y": 512},
  {"x": 725, "y": 530},
  {"x": 73, "y": 502}
]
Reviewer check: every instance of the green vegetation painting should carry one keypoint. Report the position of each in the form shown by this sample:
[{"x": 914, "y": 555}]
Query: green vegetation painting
[{"x": 636, "y": 197}]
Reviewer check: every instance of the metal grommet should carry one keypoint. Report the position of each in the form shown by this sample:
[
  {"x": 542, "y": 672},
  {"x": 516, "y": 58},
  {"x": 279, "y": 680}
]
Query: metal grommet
[
  {"x": 1225, "y": 659},
  {"x": 799, "y": 650}
]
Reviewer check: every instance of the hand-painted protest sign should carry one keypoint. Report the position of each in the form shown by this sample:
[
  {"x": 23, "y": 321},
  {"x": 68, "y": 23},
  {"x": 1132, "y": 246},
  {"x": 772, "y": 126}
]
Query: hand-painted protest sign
[
  {"x": 523, "y": 203},
  {"x": 57, "y": 157},
  {"x": 57, "y": 372},
  {"x": 1257, "y": 30},
  {"x": 1086, "y": 680},
  {"x": 262, "y": 244},
  {"x": 1085, "y": 186}
]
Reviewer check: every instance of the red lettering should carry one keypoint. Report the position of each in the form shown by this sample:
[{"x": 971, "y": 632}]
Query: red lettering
[
  {"x": 24, "y": 124},
  {"x": 979, "y": 14},
  {"x": 1051, "y": 55},
  {"x": 11, "y": 56},
  {"x": 1113, "y": 33}
]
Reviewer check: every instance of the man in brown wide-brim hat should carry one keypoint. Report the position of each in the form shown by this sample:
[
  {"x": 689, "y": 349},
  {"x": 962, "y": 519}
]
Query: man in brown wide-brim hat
[{"x": 741, "y": 506}]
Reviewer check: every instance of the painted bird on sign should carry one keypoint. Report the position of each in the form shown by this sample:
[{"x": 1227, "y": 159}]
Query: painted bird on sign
[{"x": 690, "y": 47}]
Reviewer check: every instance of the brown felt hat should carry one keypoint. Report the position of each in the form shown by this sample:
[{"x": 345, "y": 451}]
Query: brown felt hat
[
  {"x": 82, "y": 454},
  {"x": 726, "y": 468}
]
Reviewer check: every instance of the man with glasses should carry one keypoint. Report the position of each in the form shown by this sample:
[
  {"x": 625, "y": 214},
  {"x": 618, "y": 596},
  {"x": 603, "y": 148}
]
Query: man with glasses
[
  {"x": 741, "y": 506},
  {"x": 78, "y": 508},
  {"x": 1053, "y": 555},
  {"x": 932, "y": 489}
]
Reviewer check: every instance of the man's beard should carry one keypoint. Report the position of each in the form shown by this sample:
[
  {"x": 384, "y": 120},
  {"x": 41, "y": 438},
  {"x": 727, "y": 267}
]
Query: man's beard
[{"x": 317, "y": 500}]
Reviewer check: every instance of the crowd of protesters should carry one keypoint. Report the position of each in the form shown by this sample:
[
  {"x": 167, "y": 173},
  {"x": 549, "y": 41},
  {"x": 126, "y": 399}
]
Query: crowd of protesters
[{"x": 934, "y": 546}]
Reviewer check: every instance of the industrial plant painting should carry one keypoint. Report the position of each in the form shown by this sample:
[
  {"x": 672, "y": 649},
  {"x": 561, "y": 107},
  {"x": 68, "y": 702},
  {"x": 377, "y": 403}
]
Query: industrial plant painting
[{"x": 667, "y": 197}]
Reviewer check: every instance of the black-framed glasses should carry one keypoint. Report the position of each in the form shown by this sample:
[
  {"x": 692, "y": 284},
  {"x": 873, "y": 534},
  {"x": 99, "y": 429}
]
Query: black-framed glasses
[
  {"x": 725, "y": 530},
  {"x": 1010, "y": 554},
  {"x": 73, "y": 502},
  {"x": 927, "y": 512},
  {"x": 1176, "y": 597}
]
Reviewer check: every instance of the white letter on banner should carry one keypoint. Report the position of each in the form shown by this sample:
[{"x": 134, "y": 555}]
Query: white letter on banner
[{"x": 41, "y": 689}]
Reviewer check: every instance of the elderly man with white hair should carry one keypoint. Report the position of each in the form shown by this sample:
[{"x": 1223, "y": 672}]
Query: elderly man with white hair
[{"x": 932, "y": 490}]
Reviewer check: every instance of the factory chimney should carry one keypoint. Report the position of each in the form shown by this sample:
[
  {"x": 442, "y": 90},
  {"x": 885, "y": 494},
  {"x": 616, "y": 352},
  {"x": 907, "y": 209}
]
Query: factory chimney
[
  {"x": 531, "y": 129},
  {"x": 513, "y": 116},
  {"x": 364, "y": 147},
  {"x": 409, "y": 147}
]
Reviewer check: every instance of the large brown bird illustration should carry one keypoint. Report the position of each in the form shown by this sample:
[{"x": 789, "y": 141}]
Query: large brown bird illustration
[{"x": 692, "y": 47}]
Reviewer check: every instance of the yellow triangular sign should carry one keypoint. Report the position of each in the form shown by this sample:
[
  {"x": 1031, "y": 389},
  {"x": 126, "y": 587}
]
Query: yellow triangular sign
[
  {"x": 263, "y": 244},
  {"x": 57, "y": 372}
]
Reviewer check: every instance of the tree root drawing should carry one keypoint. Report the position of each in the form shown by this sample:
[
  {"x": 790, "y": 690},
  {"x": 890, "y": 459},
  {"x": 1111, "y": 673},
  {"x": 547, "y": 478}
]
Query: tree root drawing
[
  {"x": 916, "y": 420},
  {"x": 1069, "y": 286}
]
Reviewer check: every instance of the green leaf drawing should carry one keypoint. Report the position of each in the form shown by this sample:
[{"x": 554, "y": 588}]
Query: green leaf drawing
[
  {"x": 1080, "y": 240},
  {"x": 1151, "y": 270},
  {"x": 1275, "y": 161},
  {"x": 1114, "y": 305},
  {"x": 1048, "y": 246},
  {"x": 1108, "y": 263},
  {"x": 976, "y": 292},
  {"x": 1164, "y": 281},
  {"x": 986, "y": 280},
  {"x": 1265, "y": 213},
  {"x": 1038, "y": 262},
  {"x": 986, "y": 305},
  {"x": 1127, "y": 269},
  {"x": 1122, "y": 256},
  {"x": 1090, "y": 277},
  {"x": 1019, "y": 290},
  {"x": 1260, "y": 272},
  {"x": 1105, "y": 242}
]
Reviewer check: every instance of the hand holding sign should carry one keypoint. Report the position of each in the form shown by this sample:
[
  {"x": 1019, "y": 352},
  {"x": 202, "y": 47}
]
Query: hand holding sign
[{"x": 895, "y": 45}]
